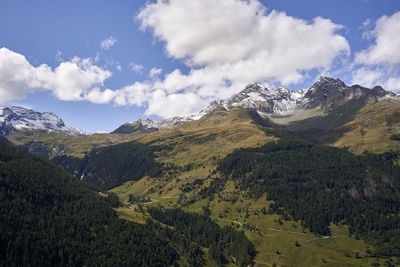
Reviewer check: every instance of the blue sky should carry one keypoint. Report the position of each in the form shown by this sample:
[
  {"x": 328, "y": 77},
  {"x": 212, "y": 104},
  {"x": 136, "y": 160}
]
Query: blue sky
[{"x": 98, "y": 64}]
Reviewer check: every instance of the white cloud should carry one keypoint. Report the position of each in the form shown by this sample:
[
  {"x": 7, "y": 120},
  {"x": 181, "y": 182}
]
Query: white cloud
[
  {"x": 387, "y": 42},
  {"x": 228, "y": 44},
  {"x": 237, "y": 35},
  {"x": 366, "y": 77},
  {"x": 108, "y": 43},
  {"x": 17, "y": 76},
  {"x": 379, "y": 64},
  {"x": 165, "y": 105},
  {"x": 135, "y": 94},
  {"x": 370, "y": 76},
  {"x": 100, "y": 97},
  {"x": 154, "y": 72},
  {"x": 136, "y": 67},
  {"x": 393, "y": 83},
  {"x": 71, "y": 81}
]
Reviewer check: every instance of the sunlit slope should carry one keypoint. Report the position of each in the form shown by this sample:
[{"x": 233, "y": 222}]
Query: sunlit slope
[
  {"x": 194, "y": 150},
  {"x": 55, "y": 144},
  {"x": 373, "y": 128},
  {"x": 210, "y": 138}
]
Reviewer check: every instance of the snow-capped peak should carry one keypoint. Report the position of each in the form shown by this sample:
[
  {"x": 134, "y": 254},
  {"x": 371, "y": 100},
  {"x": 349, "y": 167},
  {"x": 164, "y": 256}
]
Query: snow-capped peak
[
  {"x": 267, "y": 100},
  {"x": 18, "y": 118}
]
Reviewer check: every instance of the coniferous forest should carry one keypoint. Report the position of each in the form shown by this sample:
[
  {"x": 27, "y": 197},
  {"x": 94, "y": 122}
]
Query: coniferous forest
[
  {"x": 110, "y": 166},
  {"x": 320, "y": 185},
  {"x": 49, "y": 218},
  {"x": 224, "y": 243}
]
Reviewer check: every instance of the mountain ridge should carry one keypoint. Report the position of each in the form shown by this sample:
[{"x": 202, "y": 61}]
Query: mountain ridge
[
  {"x": 13, "y": 119},
  {"x": 324, "y": 96}
]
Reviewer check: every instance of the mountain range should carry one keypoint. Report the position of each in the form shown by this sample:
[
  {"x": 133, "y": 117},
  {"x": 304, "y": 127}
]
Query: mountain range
[{"x": 280, "y": 105}]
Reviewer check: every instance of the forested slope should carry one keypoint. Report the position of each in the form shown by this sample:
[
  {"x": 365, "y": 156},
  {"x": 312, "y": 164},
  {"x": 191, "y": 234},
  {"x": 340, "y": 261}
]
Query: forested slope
[
  {"x": 321, "y": 185},
  {"x": 110, "y": 166},
  {"x": 49, "y": 218}
]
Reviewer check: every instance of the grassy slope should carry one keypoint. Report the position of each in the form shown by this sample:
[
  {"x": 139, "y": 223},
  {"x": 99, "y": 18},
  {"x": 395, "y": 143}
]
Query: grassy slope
[
  {"x": 201, "y": 144},
  {"x": 373, "y": 120},
  {"x": 70, "y": 145},
  {"x": 342, "y": 127}
]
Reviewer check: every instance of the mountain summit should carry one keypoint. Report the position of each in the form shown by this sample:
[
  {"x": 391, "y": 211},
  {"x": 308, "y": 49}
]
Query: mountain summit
[{"x": 13, "y": 119}]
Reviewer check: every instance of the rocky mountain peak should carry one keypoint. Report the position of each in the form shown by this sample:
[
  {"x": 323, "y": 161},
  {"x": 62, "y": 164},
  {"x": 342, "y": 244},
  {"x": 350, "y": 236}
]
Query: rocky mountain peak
[
  {"x": 325, "y": 86},
  {"x": 13, "y": 119}
]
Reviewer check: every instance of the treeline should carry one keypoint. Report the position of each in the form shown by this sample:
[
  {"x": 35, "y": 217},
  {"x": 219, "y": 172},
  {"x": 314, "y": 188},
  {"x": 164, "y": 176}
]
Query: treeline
[
  {"x": 225, "y": 244},
  {"x": 111, "y": 166},
  {"x": 50, "y": 218},
  {"x": 319, "y": 185}
]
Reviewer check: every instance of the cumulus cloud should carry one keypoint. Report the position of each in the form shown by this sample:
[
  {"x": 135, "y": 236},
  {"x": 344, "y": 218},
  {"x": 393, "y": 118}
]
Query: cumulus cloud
[
  {"x": 380, "y": 62},
  {"x": 108, "y": 43},
  {"x": 157, "y": 101},
  {"x": 170, "y": 105},
  {"x": 241, "y": 41},
  {"x": 72, "y": 80},
  {"x": 387, "y": 42},
  {"x": 100, "y": 97},
  {"x": 136, "y": 94}
]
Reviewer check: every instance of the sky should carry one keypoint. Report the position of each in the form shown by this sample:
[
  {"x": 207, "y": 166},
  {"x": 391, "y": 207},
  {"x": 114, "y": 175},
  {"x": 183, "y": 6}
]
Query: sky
[{"x": 100, "y": 63}]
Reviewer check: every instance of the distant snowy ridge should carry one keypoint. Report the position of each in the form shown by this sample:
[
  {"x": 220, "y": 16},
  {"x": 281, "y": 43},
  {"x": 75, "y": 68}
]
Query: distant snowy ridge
[
  {"x": 155, "y": 125},
  {"x": 14, "y": 119},
  {"x": 327, "y": 93}
]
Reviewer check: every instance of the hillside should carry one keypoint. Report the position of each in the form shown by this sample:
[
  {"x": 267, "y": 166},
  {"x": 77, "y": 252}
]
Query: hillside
[
  {"x": 374, "y": 128},
  {"x": 50, "y": 218}
]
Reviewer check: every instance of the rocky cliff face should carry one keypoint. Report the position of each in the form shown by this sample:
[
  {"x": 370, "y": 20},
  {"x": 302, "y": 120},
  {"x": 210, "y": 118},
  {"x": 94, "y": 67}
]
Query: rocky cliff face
[{"x": 13, "y": 119}]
